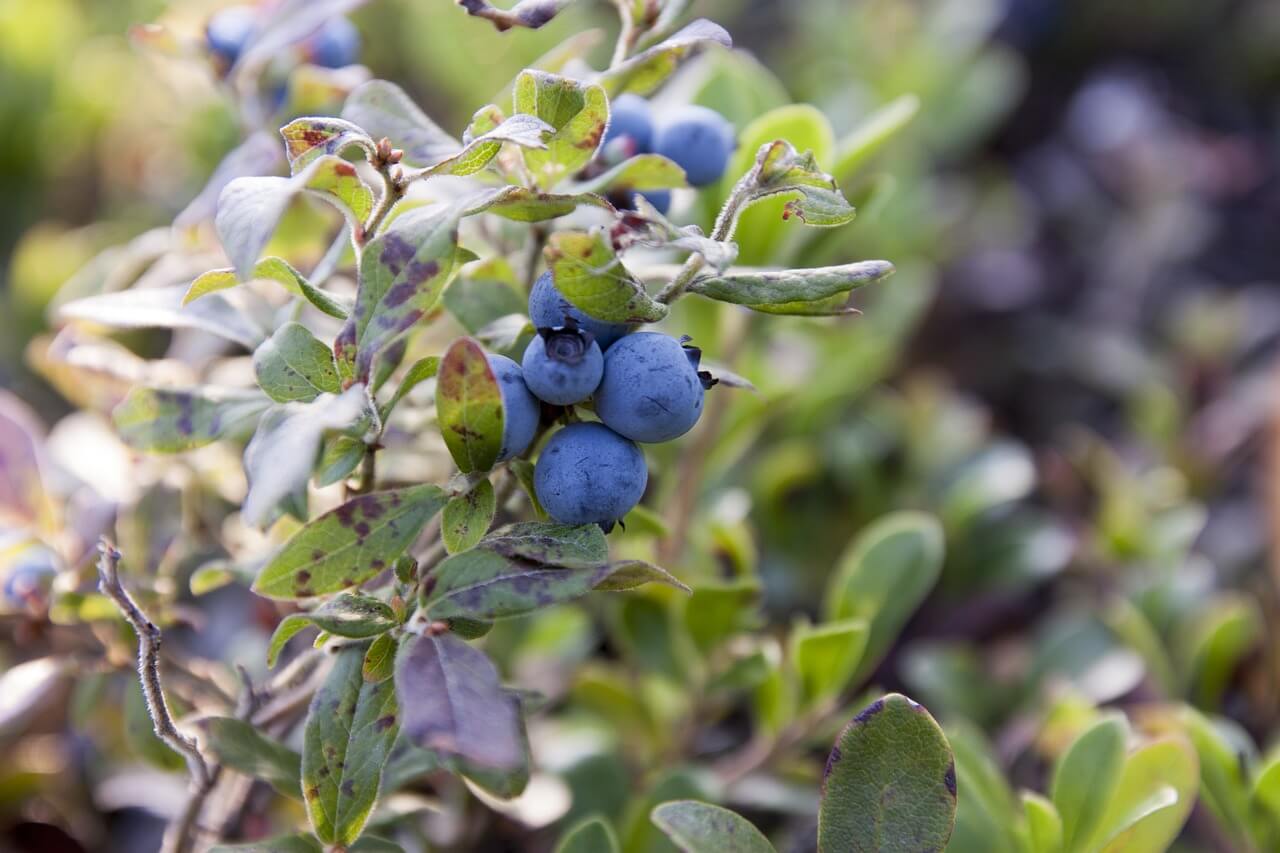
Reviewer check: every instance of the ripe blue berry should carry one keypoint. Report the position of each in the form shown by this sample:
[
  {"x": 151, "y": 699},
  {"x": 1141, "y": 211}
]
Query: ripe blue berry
[
  {"x": 563, "y": 366},
  {"x": 30, "y": 576},
  {"x": 651, "y": 390},
  {"x": 520, "y": 410},
  {"x": 630, "y": 126},
  {"x": 548, "y": 308},
  {"x": 228, "y": 30},
  {"x": 335, "y": 45},
  {"x": 626, "y": 199},
  {"x": 588, "y": 474},
  {"x": 699, "y": 140}
]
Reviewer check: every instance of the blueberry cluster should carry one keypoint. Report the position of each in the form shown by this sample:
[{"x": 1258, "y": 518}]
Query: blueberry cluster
[
  {"x": 697, "y": 139},
  {"x": 335, "y": 45},
  {"x": 645, "y": 387}
]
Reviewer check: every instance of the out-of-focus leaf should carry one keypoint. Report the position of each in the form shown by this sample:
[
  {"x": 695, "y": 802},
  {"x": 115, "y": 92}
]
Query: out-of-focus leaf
[
  {"x": 1224, "y": 785},
  {"x": 523, "y": 204},
  {"x": 591, "y": 276},
  {"x": 629, "y": 574},
  {"x": 172, "y": 420},
  {"x": 140, "y": 735},
  {"x": 270, "y": 269},
  {"x": 420, "y": 371},
  {"x": 889, "y": 783},
  {"x": 23, "y": 501},
  {"x": 717, "y": 610},
  {"x": 870, "y": 135},
  {"x": 469, "y": 406},
  {"x": 286, "y": 23},
  {"x": 1044, "y": 826},
  {"x": 593, "y": 835},
  {"x": 642, "y": 172},
  {"x": 1085, "y": 779},
  {"x": 280, "y": 458},
  {"x": 826, "y": 657},
  {"x": 551, "y": 543},
  {"x": 1152, "y": 800},
  {"x": 350, "y": 728},
  {"x": 25, "y": 686},
  {"x": 384, "y": 110},
  {"x": 380, "y": 659},
  {"x": 530, "y": 14},
  {"x": 454, "y": 704},
  {"x": 308, "y": 138},
  {"x": 467, "y": 517},
  {"x": 279, "y": 844},
  {"x": 236, "y": 744},
  {"x": 257, "y": 155},
  {"x": 162, "y": 307},
  {"x": 402, "y": 273},
  {"x": 340, "y": 457},
  {"x": 485, "y": 292},
  {"x": 1227, "y": 630},
  {"x": 781, "y": 290},
  {"x": 697, "y": 827},
  {"x": 292, "y": 365},
  {"x": 579, "y": 114},
  {"x": 348, "y": 545},
  {"x": 883, "y": 576},
  {"x": 647, "y": 70},
  {"x": 987, "y": 813}
]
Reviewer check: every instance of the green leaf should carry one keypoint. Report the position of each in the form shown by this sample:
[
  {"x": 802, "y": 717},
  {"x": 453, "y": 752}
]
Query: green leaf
[
  {"x": 884, "y": 576},
  {"x": 719, "y": 609},
  {"x": 1266, "y": 789},
  {"x": 454, "y": 703},
  {"x": 1085, "y": 777},
  {"x": 1224, "y": 785},
  {"x": 987, "y": 814},
  {"x": 384, "y": 110},
  {"x": 163, "y": 308},
  {"x": 826, "y": 657},
  {"x": 593, "y": 835},
  {"x": 889, "y": 784},
  {"x": 550, "y": 543},
  {"x": 469, "y": 406},
  {"x": 871, "y": 134},
  {"x": 267, "y": 269},
  {"x": 1044, "y": 827},
  {"x": 351, "y": 544},
  {"x": 697, "y": 827},
  {"x": 787, "y": 291},
  {"x": 526, "y": 131},
  {"x": 280, "y": 458},
  {"x": 250, "y": 208},
  {"x": 380, "y": 659},
  {"x": 649, "y": 69},
  {"x": 288, "y": 628},
  {"x": 173, "y": 420},
  {"x": 207, "y": 578},
  {"x": 482, "y": 584},
  {"x": 1227, "y": 630},
  {"x": 420, "y": 371},
  {"x": 579, "y": 114},
  {"x": 591, "y": 276},
  {"x": 642, "y": 172},
  {"x": 355, "y": 616},
  {"x": 340, "y": 457},
  {"x": 236, "y": 744},
  {"x": 1152, "y": 800},
  {"x": 293, "y": 365},
  {"x": 522, "y": 204},
  {"x": 402, "y": 274},
  {"x": 350, "y": 728},
  {"x": 467, "y": 517},
  {"x": 629, "y": 574},
  {"x": 816, "y": 197},
  {"x": 279, "y": 844},
  {"x": 308, "y": 138},
  {"x": 530, "y": 14}
]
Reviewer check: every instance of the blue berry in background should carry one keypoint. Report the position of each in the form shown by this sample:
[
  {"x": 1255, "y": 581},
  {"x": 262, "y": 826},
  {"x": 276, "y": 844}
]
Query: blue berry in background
[
  {"x": 335, "y": 45},
  {"x": 30, "y": 576},
  {"x": 651, "y": 390},
  {"x": 548, "y": 308},
  {"x": 699, "y": 140},
  {"x": 588, "y": 474},
  {"x": 630, "y": 125},
  {"x": 626, "y": 199},
  {"x": 228, "y": 30},
  {"x": 520, "y": 409},
  {"x": 562, "y": 366}
]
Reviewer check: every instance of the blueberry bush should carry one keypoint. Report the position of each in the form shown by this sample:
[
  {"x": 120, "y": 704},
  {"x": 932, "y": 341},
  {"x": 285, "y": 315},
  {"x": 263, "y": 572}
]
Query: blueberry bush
[{"x": 472, "y": 435}]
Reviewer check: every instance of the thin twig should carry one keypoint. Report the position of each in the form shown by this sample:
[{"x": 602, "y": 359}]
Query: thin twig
[
  {"x": 726, "y": 225},
  {"x": 180, "y": 835}
]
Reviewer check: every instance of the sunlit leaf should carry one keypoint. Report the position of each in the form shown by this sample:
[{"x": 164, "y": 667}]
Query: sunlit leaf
[{"x": 591, "y": 276}]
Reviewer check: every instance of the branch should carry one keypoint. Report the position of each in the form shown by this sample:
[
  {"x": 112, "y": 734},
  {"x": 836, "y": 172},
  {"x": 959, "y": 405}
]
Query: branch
[{"x": 179, "y": 837}]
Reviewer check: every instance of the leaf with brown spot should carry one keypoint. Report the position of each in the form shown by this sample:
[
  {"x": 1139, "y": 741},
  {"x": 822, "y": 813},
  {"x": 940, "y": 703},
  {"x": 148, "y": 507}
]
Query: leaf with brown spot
[
  {"x": 350, "y": 728},
  {"x": 467, "y": 517},
  {"x": 172, "y": 420},
  {"x": 530, "y": 14},
  {"x": 329, "y": 554},
  {"x": 308, "y": 138},
  {"x": 567, "y": 545},
  {"x": 578, "y": 112},
  {"x": 469, "y": 406},
  {"x": 589, "y": 274}
]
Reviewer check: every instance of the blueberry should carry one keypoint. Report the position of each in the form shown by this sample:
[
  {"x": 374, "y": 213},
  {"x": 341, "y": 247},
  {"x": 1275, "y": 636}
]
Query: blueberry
[
  {"x": 335, "y": 45},
  {"x": 549, "y": 308},
  {"x": 630, "y": 125},
  {"x": 699, "y": 140},
  {"x": 563, "y": 366},
  {"x": 29, "y": 577},
  {"x": 227, "y": 32},
  {"x": 651, "y": 390},
  {"x": 520, "y": 410},
  {"x": 626, "y": 199},
  {"x": 588, "y": 474}
]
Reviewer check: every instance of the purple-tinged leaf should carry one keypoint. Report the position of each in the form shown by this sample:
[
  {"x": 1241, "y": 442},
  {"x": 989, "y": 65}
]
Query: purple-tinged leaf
[
  {"x": 173, "y": 420},
  {"x": 22, "y": 495},
  {"x": 469, "y": 406},
  {"x": 565, "y": 545},
  {"x": 530, "y": 14}
]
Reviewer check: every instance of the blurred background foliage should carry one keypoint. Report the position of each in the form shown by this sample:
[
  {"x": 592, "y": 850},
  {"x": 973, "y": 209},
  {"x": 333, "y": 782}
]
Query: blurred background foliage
[{"x": 1073, "y": 370}]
